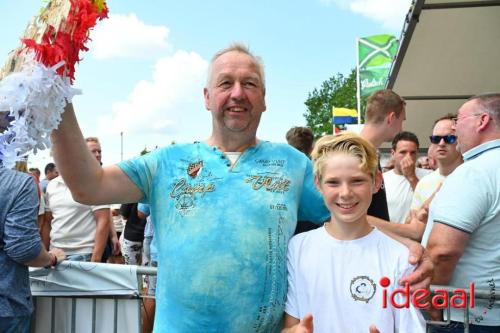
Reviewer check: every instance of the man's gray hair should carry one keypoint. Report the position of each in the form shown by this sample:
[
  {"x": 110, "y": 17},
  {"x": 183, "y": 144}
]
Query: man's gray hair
[
  {"x": 237, "y": 47},
  {"x": 489, "y": 103}
]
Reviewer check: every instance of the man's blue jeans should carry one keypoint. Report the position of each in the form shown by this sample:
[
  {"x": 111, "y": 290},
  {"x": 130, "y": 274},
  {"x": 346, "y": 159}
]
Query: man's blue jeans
[
  {"x": 456, "y": 327},
  {"x": 19, "y": 324}
]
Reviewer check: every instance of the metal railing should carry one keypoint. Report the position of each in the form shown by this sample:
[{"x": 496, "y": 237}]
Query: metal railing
[
  {"x": 479, "y": 294},
  {"x": 46, "y": 309}
]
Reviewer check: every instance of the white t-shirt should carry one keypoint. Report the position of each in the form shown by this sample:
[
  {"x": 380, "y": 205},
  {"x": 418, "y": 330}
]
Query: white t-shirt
[
  {"x": 338, "y": 282},
  {"x": 400, "y": 194},
  {"x": 73, "y": 224},
  {"x": 118, "y": 220},
  {"x": 425, "y": 188}
]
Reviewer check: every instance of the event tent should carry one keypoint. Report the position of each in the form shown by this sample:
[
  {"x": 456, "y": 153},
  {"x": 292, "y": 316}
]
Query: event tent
[{"x": 449, "y": 50}]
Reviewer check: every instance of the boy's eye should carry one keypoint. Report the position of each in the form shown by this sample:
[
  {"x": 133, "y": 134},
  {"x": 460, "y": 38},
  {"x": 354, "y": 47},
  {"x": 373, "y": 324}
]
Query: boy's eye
[
  {"x": 358, "y": 181},
  {"x": 332, "y": 182}
]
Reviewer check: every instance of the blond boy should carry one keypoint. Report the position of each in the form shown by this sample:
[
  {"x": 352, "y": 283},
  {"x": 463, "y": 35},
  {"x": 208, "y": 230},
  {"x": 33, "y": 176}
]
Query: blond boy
[{"x": 335, "y": 272}]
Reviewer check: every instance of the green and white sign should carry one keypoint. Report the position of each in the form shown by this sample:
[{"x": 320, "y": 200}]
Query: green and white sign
[{"x": 375, "y": 54}]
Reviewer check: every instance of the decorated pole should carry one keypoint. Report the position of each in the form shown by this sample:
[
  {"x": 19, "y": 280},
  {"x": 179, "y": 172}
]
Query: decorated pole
[{"x": 35, "y": 82}]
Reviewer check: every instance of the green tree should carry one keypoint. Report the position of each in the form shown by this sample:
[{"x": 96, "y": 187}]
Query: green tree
[{"x": 338, "y": 91}]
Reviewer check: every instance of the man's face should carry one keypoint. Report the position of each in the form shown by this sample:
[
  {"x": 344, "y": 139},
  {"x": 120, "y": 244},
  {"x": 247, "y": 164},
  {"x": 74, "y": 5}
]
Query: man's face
[
  {"x": 445, "y": 152},
  {"x": 423, "y": 162},
  {"x": 52, "y": 174},
  {"x": 466, "y": 125},
  {"x": 235, "y": 94},
  {"x": 95, "y": 149},
  {"x": 404, "y": 150}
]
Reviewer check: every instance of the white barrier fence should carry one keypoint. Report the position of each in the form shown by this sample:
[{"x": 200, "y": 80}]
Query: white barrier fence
[{"x": 87, "y": 297}]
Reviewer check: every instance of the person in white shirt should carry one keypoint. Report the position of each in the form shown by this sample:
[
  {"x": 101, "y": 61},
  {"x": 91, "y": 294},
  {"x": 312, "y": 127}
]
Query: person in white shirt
[
  {"x": 400, "y": 182},
  {"x": 80, "y": 230},
  {"x": 333, "y": 271}
]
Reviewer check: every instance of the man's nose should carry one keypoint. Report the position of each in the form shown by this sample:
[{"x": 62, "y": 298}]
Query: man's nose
[{"x": 237, "y": 91}]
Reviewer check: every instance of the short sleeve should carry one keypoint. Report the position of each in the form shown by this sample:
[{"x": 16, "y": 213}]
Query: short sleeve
[
  {"x": 142, "y": 170},
  {"x": 458, "y": 203},
  {"x": 311, "y": 207},
  {"x": 144, "y": 208},
  {"x": 94, "y": 208},
  {"x": 291, "y": 306}
]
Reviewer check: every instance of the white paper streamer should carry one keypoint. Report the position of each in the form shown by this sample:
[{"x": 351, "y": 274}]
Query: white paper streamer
[{"x": 36, "y": 97}]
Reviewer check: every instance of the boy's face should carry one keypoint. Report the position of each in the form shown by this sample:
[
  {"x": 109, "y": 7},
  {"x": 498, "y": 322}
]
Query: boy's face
[{"x": 346, "y": 189}]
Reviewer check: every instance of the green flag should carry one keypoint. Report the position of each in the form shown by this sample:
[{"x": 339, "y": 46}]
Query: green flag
[
  {"x": 376, "y": 50},
  {"x": 372, "y": 80},
  {"x": 375, "y": 57}
]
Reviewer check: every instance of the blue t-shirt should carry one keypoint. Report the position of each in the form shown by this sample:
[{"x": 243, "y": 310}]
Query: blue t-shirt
[
  {"x": 19, "y": 241},
  {"x": 222, "y": 232}
]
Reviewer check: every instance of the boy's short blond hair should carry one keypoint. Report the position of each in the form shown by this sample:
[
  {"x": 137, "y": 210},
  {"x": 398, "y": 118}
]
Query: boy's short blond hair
[{"x": 346, "y": 143}]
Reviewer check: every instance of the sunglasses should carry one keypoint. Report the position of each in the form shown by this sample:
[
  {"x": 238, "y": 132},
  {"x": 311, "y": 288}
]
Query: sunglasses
[{"x": 447, "y": 138}]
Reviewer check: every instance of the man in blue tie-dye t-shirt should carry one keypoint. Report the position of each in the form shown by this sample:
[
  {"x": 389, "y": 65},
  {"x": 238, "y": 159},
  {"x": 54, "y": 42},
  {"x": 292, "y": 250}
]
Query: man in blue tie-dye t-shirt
[{"x": 223, "y": 209}]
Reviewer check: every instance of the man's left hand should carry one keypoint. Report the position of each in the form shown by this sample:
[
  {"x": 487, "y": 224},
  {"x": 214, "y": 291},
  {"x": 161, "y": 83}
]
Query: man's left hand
[{"x": 421, "y": 277}]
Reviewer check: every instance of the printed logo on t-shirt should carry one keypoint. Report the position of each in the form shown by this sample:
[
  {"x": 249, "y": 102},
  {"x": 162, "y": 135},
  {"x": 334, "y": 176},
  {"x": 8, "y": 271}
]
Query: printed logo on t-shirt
[
  {"x": 268, "y": 182},
  {"x": 185, "y": 193},
  {"x": 362, "y": 288},
  {"x": 194, "y": 168}
]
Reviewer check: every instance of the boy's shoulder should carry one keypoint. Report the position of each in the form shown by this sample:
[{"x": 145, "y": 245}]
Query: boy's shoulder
[
  {"x": 392, "y": 246},
  {"x": 307, "y": 237}
]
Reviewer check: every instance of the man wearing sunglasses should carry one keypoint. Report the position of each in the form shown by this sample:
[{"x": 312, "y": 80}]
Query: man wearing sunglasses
[
  {"x": 448, "y": 158},
  {"x": 465, "y": 240}
]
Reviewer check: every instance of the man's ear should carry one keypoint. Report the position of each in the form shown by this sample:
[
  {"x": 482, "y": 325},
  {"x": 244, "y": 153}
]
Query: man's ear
[
  {"x": 485, "y": 119},
  {"x": 392, "y": 152},
  {"x": 378, "y": 181},
  {"x": 206, "y": 96},
  {"x": 391, "y": 116}
]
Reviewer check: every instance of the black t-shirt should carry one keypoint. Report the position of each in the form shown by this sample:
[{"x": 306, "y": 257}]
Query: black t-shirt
[
  {"x": 378, "y": 207},
  {"x": 134, "y": 228}
]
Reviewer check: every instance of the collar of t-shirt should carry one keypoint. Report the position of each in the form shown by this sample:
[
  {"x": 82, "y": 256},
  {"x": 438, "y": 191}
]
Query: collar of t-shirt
[{"x": 233, "y": 156}]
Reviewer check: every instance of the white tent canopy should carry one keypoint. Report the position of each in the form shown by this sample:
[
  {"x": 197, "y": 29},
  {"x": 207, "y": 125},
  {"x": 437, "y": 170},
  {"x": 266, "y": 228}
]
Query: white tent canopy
[{"x": 449, "y": 51}]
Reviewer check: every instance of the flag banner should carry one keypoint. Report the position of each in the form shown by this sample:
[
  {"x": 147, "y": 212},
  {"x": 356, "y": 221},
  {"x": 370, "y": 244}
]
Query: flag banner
[
  {"x": 372, "y": 80},
  {"x": 343, "y": 116},
  {"x": 377, "y": 50},
  {"x": 375, "y": 54}
]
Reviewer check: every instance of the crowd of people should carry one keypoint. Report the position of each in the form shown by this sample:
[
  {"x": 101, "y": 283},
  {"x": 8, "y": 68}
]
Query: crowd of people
[{"x": 218, "y": 217}]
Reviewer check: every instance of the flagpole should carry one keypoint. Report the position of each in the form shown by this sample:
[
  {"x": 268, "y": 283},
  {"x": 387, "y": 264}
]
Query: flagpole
[{"x": 358, "y": 84}]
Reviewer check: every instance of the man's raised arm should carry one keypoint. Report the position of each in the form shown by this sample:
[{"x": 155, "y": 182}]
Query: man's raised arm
[{"x": 89, "y": 183}]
